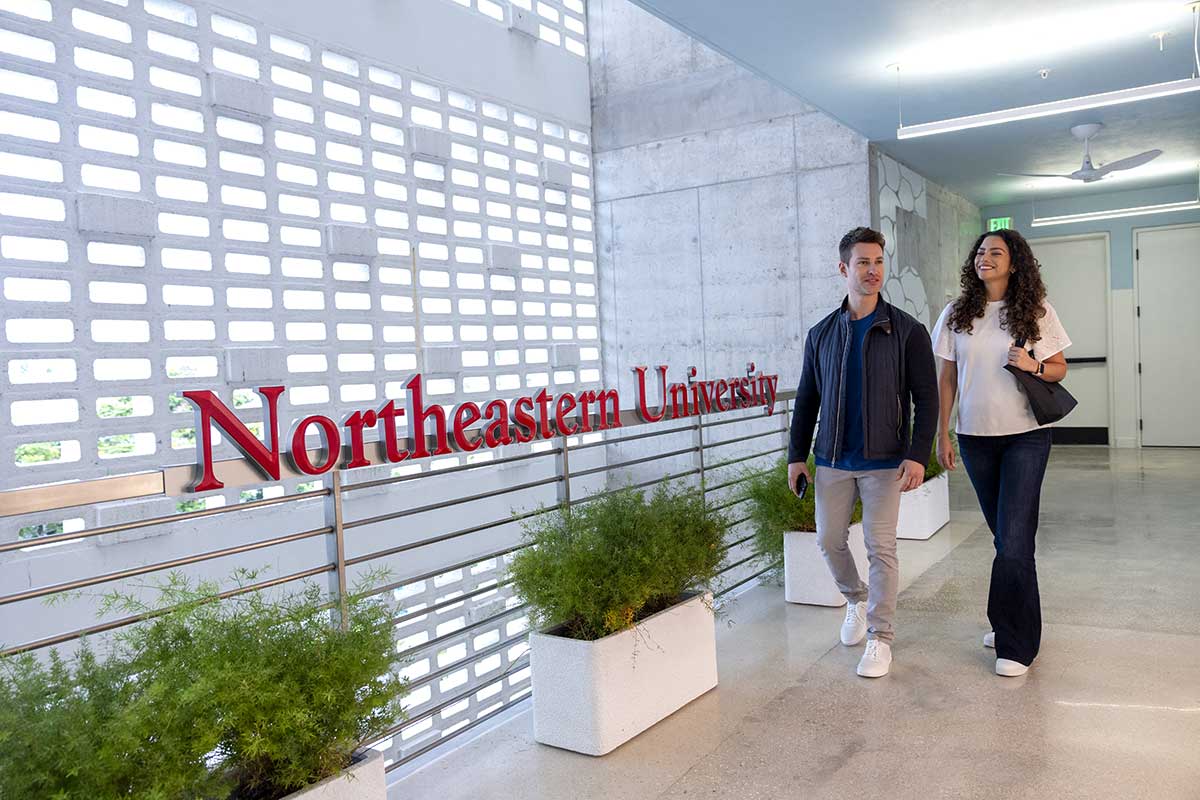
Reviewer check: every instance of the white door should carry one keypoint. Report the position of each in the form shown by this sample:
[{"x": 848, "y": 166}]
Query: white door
[
  {"x": 1168, "y": 261},
  {"x": 1075, "y": 271}
]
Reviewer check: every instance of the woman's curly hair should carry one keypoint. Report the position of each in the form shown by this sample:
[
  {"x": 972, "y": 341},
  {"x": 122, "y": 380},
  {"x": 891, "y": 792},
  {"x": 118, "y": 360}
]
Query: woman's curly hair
[{"x": 1023, "y": 307}]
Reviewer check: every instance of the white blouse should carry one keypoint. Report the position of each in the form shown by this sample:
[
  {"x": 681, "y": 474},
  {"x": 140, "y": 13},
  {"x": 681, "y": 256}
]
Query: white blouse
[{"x": 990, "y": 401}]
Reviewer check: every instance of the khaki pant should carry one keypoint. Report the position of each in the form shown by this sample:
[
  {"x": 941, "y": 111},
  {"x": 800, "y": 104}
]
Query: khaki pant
[{"x": 837, "y": 491}]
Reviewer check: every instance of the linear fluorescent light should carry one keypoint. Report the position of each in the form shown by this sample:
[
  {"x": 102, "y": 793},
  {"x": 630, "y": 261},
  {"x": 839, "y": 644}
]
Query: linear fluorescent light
[
  {"x": 1050, "y": 109},
  {"x": 1042, "y": 35},
  {"x": 1135, "y": 211}
]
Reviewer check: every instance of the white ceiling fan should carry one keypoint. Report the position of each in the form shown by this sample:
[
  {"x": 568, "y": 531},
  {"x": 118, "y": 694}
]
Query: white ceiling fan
[{"x": 1089, "y": 173}]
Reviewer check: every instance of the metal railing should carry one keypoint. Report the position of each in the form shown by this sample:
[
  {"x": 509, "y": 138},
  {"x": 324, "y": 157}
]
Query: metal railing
[{"x": 22, "y": 501}]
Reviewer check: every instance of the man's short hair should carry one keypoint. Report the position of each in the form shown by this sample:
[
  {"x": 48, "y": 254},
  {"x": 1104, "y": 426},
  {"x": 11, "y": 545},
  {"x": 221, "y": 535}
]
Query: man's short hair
[{"x": 859, "y": 236}]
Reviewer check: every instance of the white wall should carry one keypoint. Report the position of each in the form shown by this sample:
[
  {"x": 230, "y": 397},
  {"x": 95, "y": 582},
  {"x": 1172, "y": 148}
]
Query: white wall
[
  {"x": 1122, "y": 264},
  {"x": 447, "y": 42}
]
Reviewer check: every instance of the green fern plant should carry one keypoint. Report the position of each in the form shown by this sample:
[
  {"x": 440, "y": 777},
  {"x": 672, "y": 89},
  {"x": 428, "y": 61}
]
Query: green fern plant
[
  {"x": 603, "y": 565},
  {"x": 86, "y": 727},
  {"x": 247, "y": 698}
]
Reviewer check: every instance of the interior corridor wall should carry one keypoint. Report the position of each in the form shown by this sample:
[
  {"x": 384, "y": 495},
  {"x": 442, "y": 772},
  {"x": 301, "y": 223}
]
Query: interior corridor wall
[{"x": 1122, "y": 272}]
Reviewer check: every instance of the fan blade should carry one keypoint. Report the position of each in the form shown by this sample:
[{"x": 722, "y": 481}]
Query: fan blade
[
  {"x": 1030, "y": 175},
  {"x": 1131, "y": 162}
]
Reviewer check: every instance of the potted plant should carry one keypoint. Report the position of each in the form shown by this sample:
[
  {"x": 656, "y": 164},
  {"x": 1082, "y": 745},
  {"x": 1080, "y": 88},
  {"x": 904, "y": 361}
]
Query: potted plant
[
  {"x": 621, "y": 588},
  {"x": 245, "y": 698},
  {"x": 925, "y": 510},
  {"x": 785, "y": 530},
  {"x": 85, "y": 726}
]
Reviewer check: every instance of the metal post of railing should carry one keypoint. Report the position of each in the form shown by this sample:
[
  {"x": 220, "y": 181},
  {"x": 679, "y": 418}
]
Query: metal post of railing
[
  {"x": 334, "y": 514},
  {"x": 563, "y": 463}
]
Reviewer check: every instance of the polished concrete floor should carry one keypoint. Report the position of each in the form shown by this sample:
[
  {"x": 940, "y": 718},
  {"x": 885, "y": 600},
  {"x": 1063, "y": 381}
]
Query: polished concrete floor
[{"x": 1111, "y": 708}]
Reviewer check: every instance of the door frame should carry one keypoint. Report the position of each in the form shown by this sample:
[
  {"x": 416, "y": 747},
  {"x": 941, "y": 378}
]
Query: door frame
[
  {"x": 1137, "y": 303},
  {"x": 1108, "y": 304}
]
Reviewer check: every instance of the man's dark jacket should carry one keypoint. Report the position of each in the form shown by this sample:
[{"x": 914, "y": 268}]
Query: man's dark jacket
[{"x": 898, "y": 373}]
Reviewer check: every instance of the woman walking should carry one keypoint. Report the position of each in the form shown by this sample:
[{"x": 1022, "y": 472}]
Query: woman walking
[{"x": 1000, "y": 315}]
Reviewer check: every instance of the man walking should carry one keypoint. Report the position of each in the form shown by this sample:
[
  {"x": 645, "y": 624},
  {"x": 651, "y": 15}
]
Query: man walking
[{"x": 865, "y": 366}]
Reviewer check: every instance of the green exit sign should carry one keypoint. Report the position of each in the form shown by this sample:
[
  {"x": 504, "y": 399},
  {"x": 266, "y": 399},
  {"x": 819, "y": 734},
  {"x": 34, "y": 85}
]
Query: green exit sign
[{"x": 1000, "y": 223}]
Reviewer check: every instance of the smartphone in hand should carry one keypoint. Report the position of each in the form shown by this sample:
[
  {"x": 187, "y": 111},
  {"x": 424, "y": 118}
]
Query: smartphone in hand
[{"x": 801, "y": 485}]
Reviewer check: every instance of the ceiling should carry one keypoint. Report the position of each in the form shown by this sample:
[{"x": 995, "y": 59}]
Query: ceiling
[{"x": 961, "y": 57}]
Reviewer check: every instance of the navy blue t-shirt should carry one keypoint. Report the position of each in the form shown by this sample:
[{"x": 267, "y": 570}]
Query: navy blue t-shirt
[{"x": 852, "y": 418}]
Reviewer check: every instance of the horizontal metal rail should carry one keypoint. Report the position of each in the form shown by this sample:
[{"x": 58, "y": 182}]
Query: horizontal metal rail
[
  {"x": 747, "y": 579},
  {"x": 387, "y": 587},
  {"x": 490, "y": 650},
  {"x": 450, "y": 601},
  {"x": 740, "y": 562},
  {"x": 622, "y": 464},
  {"x": 352, "y": 487},
  {"x": 518, "y": 664},
  {"x": 133, "y": 572},
  {"x": 74, "y": 585},
  {"x": 104, "y": 627},
  {"x": 642, "y": 485},
  {"x": 735, "y": 523},
  {"x": 436, "y": 743},
  {"x": 445, "y": 637},
  {"x": 739, "y": 479},
  {"x": 408, "y": 512},
  {"x": 727, "y": 547},
  {"x": 38, "y": 541},
  {"x": 762, "y": 414},
  {"x": 395, "y": 729},
  {"x": 634, "y": 438},
  {"x": 445, "y": 537},
  {"x": 731, "y": 503},
  {"x": 742, "y": 439},
  {"x": 743, "y": 459}
]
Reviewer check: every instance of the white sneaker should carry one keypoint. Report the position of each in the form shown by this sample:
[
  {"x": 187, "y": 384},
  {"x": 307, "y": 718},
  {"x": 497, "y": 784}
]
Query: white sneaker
[
  {"x": 854, "y": 627},
  {"x": 1010, "y": 669},
  {"x": 989, "y": 639},
  {"x": 876, "y": 660}
]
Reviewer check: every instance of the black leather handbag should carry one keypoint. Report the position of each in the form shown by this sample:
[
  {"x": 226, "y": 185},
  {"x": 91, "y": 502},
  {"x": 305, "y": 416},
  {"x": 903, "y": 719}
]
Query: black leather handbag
[{"x": 1050, "y": 401}]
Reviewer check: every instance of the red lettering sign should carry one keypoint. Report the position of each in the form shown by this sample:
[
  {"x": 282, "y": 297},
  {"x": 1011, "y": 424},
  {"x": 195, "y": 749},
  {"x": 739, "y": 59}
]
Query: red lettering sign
[{"x": 522, "y": 420}]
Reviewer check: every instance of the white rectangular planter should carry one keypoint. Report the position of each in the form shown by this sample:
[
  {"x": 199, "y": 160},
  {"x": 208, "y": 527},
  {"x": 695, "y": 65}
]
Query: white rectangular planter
[
  {"x": 924, "y": 510},
  {"x": 362, "y": 780},
  {"x": 592, "y": 697},
  {"x": 806, "y": 577}
]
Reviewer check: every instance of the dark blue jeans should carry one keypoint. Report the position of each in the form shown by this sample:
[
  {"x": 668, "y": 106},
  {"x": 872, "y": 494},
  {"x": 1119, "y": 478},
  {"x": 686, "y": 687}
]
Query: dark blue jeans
[{"x": 1007, "y": 473}]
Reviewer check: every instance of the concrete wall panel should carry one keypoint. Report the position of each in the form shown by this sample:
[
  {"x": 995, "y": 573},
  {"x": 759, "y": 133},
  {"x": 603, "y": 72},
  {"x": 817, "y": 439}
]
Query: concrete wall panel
[
  {"x": 729, "y": 154},
  {"x": 708, "y": 100},
  {"x": 751, "y": 286}
]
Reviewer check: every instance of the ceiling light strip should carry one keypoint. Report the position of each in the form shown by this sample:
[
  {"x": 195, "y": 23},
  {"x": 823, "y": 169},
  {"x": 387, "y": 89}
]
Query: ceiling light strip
[
  {"x": 1135, "y": 211},
  {"x": 1050, "y": 109}
]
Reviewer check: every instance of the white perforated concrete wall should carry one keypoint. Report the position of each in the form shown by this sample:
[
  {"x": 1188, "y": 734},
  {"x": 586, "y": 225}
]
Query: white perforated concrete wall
[
  {"x": 191, "y": 199},
  {"x": 330, "y": 197}
]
